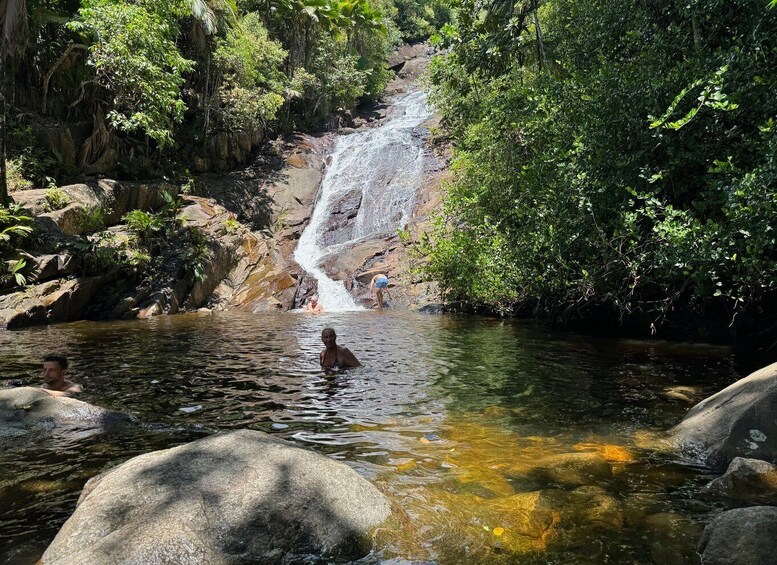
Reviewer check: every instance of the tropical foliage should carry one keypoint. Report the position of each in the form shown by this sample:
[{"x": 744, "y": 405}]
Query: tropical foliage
[
  {"x": 612, "y": 157},
  {"x": 146, "y": 83}
]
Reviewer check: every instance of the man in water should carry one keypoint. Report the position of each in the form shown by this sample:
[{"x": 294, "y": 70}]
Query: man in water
[
  {"x": 335, "y": 357},
  {"x": 54, "y": 376},
  {"x": 379, "y": 283},
  {"x": 314, "y": 305}
]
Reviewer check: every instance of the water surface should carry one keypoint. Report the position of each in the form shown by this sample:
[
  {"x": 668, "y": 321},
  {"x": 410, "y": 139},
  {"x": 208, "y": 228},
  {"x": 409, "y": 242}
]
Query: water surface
[{"x": 450, "y": 417}]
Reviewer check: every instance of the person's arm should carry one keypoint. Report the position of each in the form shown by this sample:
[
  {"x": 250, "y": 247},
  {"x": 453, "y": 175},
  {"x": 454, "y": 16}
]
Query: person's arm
[
  {"x": 372, "y": 286},
  {"x": 349, "y": 358}
]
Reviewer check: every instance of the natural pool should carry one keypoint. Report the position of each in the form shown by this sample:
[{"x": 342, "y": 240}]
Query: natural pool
[{"x": 474, "y": 427}]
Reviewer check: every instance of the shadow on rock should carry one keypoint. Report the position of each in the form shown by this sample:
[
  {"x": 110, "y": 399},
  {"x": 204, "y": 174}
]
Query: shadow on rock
[{"x": 242, "y": 497}]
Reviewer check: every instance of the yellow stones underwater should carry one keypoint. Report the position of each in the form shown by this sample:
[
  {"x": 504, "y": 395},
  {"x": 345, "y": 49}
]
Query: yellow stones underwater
[{"x": 479, "y": 493}]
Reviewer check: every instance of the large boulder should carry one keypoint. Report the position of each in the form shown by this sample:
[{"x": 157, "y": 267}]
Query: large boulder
[
  {"x": 736, "y": 422},
  {"x": 740, "y": 537},
  {"x": 90, "y": 206},
  {"x": 61, "y": 300},
  {"x": 242, "y": 497},
  {"x": 28, "y": 406},
  {"x": 750, "y": 480}
]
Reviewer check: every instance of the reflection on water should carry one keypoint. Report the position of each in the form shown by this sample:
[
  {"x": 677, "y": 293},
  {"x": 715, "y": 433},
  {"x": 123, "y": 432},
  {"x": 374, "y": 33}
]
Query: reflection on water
[{"x": 499, "y": 441}]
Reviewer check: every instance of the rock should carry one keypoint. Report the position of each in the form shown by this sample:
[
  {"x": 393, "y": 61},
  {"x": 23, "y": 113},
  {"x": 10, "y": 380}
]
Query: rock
[
  {"x": 242, "y": 497},
  {"x": 45, "y": 267},
  {"x": 59, "y": 140},
  {"x": 532, "y": 521},
  {"x": 743, "y": 536},
  {"x": 406, "y": 52},
  {"x": 30, "y": 406},
  {"x": 61, "y": 300},
  {"x": 736, "y": 422},
  {"x": 201, "y": 164},
  {"x": 94, "y": 205},
  {"x": 750, "y": 480},
  {"x": 105, "y": 163},
  {"x": 596, "y": 507},
  {"x": 339, "y": 223},
  {"x": 431, "y": 308},
  {"x": 686, "y": 394},
  {"x": 348, "y": 266}
]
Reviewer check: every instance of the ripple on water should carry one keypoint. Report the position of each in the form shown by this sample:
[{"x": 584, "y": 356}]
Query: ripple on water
[{"x": 455, "y": 418}]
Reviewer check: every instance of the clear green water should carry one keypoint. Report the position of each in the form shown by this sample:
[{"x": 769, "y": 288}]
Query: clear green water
[{"x": 452, "y": 417}]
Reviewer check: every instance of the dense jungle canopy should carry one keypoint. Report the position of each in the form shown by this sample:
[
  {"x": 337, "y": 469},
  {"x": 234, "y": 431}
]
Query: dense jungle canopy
[
  {"x": 613, "y": 161},
  {"x": 616, "y": 161}
]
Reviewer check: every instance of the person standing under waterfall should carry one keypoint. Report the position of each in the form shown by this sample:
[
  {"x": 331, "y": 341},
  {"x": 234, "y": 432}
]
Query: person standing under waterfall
[
  {"x": 335, "y": 357},
  {"x": 379, "y": 283}
]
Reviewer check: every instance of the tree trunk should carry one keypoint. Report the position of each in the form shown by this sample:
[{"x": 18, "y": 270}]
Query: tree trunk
[
  {"x": 4, "y": 198},
  {"x": 542, "y": 60}
]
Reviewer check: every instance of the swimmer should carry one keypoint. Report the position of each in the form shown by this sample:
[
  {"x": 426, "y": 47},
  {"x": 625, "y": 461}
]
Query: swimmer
[
  {"x": 335, "y": 356},
  {"x": 54, "y": 373},
  {"x": 379, "y": 283},
  {"x": 314, "y": 306}
]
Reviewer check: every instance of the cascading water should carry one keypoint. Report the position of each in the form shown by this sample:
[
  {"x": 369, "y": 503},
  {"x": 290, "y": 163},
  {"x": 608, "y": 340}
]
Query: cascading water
[{"x": 383, "y": 168}]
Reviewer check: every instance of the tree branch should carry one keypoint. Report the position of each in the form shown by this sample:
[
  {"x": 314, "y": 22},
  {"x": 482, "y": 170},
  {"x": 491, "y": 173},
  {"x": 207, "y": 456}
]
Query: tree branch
[{"x": 54, "y": 68}]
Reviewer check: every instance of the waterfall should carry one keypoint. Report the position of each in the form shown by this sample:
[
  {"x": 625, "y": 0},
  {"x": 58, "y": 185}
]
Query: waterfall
[{"x": 382, "y": 169}]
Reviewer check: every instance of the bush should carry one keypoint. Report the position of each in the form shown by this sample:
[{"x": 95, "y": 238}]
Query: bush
[
  {"x": 626, "y": 166},
  {"x": 135, "y": 59},
  {"x": 56, "y": 199},
  {"x": 252, "y": 82}
]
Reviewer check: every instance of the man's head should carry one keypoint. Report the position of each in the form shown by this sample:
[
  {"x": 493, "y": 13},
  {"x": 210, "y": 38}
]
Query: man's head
[
  {"x": 314, "y": 299},
  {"x": 329, "y": 337},
  {"x": 54, "y": 370}
]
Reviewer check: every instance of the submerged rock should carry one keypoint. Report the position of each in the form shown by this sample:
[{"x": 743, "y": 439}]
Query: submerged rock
[
  {"x": 750, "y": 480},
  {"x": 740, "y": 537},
  {"x": 30, "y": 406},
  {"x": 242, "y": 497},
  {"x": 736, "y": 422},
  {"x": 565, "y": 469}
]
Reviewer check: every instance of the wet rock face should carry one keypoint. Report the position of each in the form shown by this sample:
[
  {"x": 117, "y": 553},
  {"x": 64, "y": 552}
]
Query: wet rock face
[
  {"x": 736, "y": 422},
  {"x": 242, "y": 497},
  {"x": 342, "y": 213},
  {"x": 277, "y": 202},
  {"x": 740, "y": 537}
]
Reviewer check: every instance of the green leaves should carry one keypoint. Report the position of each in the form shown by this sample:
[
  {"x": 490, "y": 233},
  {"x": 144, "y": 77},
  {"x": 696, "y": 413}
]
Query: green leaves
[
  {"x": 135, "y": 59},
  {"x": 711, "y": 96},
  {"x": 564, "y": 199}
]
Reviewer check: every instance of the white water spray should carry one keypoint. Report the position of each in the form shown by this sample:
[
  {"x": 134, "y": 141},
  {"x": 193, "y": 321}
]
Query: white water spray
[{"x": 384, "y": 165}]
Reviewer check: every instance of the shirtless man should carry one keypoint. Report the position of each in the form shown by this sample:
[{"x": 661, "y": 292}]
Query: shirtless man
[
  {"x": 379, "y": 283},
  {"x": 335, "y": 356},
  {"x": 54, "y": 373},
  {"x": 314, "y": 305}
]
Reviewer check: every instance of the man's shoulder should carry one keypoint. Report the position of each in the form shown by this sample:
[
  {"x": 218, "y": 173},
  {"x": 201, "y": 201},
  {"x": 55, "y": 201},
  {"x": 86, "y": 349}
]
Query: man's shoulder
[{"x": 73, "y": 387}]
